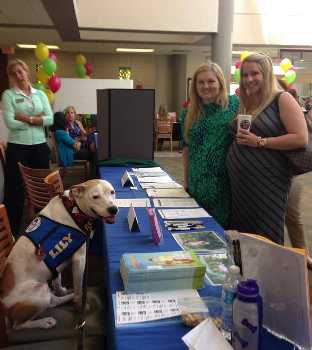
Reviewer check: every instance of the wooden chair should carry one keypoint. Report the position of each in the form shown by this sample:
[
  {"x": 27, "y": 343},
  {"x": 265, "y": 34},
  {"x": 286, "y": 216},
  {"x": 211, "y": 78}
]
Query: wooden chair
[
  {"x": 37, "y": 193},
  {"x": 6, "y": 244},
  {"x": 54, "y": 183},
  {"x": 80, "y": 167},
  {"x": 163, "y": 131}
]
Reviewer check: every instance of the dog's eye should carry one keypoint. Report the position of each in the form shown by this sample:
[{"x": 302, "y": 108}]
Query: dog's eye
[
  {"x": 112, "y": 192},
  {"x": 96, "y": 196}
]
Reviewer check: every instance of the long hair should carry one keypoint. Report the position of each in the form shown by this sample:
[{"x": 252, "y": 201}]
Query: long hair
[
  {"x": 270, "y": 86},
  {"x": 194, "y": 110}
]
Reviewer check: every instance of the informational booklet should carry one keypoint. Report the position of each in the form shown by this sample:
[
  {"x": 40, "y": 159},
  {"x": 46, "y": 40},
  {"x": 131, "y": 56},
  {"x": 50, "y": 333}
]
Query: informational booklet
[
  {"x": 134, "y": 202},
  {"x": 217, "y": 265},
  {"x": 160, "y": 185},
  {"x": 156, "y": 179},
  {"x": 134, "y": 308},
  {"x": 200, "y": 242},
  {"x": 147, "y": 170},
  {"x": 282, "y": 276},
  {"x": 171, "y": 214},
  {"x": 167, "y": 192},
  {"x": 175, "y": 202}
]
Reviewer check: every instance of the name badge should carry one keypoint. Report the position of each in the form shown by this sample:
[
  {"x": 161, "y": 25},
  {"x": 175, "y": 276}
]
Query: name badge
[{"x": 19, "y": 100}]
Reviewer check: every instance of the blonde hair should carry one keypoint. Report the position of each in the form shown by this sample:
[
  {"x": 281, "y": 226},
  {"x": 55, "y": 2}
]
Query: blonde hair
[
  {"x": 194, "y": 110},
  {"x": 17, "y": 62},
  {"x": 68, "y": 108},
  {"x": 270, "y": 86}
]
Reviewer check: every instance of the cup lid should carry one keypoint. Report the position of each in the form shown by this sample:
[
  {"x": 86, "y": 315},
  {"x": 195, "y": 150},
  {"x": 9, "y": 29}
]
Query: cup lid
[{"x": 248, "y": 287}]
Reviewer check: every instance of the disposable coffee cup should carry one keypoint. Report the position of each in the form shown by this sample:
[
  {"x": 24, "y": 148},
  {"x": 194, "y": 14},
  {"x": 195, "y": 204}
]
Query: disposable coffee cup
[{"x": 244, "y": 122}]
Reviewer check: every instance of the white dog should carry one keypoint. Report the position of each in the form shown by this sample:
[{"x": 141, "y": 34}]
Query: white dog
[{"x": 37, "y": 258}]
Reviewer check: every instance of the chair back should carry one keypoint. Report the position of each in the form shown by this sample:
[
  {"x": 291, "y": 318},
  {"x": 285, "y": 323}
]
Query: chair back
[
  {"x": 36, "y": 190},
  {"x": 164, "y": 127},
  {"x": 54, "y": 183},
  {"x": 6, "y": 237}
]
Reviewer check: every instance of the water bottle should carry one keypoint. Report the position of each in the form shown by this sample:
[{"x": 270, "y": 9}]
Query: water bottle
[
  {"x": 229, "y": 291},
  {"x": 247, "y": 316}
]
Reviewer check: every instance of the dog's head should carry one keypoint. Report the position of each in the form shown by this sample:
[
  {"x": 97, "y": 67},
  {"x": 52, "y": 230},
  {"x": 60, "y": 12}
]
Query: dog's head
[{"x": 96, "y": 198}]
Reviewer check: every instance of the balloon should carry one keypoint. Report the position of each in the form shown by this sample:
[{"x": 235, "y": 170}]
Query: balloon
[
  {"x": 41, "y": 52},
  {"x": 80, "y": 70},
  {"x": 238, "y": 64},
  {"x": 237, "y": 92},
  {"x": 88, "y": 68},
  {"x": 53, "y": 56},
  {"x": 285, "y": 81},
  {"x": 285, "y": 64},
  {"x": 42, "y": 76},
  {"x": 236, "y": 75},
  {"x": 290, "y": 76},
  {"x": 54, "y": 83},
  {"x": 86, "y": 77},
  {"x": 50, "y": 95},
  {"x": 39, "y": 86},
  {"x": 49, "y": 66},
  {"x": 80, "y": 59},
  {"x": 244, "y": 54}
]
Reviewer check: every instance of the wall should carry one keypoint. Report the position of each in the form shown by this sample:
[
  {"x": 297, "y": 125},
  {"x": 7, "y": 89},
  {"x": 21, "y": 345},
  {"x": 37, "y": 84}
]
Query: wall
[{"x": 153, "y": 71}]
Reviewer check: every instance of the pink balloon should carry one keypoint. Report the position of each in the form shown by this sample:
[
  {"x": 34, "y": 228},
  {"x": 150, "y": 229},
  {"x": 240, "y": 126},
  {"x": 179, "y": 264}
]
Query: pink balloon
[
  {"x": 88, "y": 68},
  {"x": 53, "y": 56},
  {"x": 237, "y": 92},
  {"x": 54, "y": 83},
  {"x": 238, "y": 64}
]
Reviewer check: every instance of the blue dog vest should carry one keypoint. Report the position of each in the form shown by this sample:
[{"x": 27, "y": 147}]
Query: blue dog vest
[{"x": 58, "y": 242}]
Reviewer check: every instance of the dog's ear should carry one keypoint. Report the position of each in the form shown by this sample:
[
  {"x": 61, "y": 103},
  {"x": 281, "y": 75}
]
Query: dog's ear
[{"x": 77, "y": 191}]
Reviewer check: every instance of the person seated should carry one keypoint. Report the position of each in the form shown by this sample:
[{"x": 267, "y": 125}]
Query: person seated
[
  {"x": 66, "y": 145},
  {"x": 77, "y": 131},
  {"x": 162, "y": 114}
]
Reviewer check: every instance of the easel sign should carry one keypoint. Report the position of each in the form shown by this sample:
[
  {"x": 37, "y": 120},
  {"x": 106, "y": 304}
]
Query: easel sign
[
  {"x": 157, "y": 235},
  {"x": 133, "y": 220},
  {"x": 126, "y": 180}
]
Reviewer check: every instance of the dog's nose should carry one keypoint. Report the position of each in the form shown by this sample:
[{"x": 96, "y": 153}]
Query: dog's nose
[{"x": 113, "y": 210}]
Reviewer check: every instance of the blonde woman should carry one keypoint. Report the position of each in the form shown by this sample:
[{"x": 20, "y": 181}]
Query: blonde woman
[
  {"x": 26, "y": 111},
  {"x": 205, "y": 125},
  {"x": 257, "y": 166}
]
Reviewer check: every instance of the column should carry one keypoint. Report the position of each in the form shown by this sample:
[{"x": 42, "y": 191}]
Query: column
[
  {"x": 222, "y": 41},
  {"x": 179, "y": 81}
]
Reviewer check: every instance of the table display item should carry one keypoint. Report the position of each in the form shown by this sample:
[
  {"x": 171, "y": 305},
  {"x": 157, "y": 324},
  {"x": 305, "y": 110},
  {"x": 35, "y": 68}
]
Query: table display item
[
  {"x": 155, "y": 227},
  {"x": 247, "y": 316},
  {"x": 228, "y": 295},
  {"x": 151, "y": 272}
]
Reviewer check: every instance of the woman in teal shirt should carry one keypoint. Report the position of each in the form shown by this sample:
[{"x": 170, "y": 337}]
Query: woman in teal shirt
[
  {"x": 26, "y": 112},
  {"x": 205, "y": 125}
]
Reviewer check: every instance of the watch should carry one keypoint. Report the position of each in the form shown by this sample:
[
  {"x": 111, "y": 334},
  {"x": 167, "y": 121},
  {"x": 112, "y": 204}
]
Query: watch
[{"x": 261, "y": 142}]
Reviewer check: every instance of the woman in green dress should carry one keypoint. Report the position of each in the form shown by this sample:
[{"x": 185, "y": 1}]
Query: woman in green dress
[{"x": 206, "y": 132}]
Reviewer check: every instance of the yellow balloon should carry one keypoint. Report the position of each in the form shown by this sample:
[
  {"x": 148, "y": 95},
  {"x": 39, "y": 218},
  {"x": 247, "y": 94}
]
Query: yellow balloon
[
  {"x": 244, "y": 54},
  {"x": 80, "y": 59},
  {"x": 42, "y": 76},
  {"x": 50, "y": 95},
  {"x": 86, "y": 77},
  {"x": 285, "y": 64},
  {"x": 41, "y": 51}
]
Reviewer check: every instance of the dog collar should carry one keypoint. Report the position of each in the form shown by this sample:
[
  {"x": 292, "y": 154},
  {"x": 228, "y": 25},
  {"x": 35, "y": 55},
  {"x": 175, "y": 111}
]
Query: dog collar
[{"x": 83, "y": 221}]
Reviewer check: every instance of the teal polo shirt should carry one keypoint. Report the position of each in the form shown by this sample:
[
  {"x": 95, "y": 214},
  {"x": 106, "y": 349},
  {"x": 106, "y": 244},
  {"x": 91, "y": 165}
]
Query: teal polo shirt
[{"x": 15, "y": 101}]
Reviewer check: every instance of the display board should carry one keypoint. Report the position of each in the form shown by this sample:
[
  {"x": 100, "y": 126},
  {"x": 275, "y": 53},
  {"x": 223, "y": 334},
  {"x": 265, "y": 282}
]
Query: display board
[{"x": 81, "y": 93}]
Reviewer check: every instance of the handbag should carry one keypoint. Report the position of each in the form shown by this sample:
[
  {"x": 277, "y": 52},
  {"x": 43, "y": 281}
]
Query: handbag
[{"x": 300, "y": 160}]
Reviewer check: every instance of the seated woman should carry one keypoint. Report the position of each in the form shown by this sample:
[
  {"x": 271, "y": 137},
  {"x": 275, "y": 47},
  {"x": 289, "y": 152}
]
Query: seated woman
[{"x": 66, "y": 145}]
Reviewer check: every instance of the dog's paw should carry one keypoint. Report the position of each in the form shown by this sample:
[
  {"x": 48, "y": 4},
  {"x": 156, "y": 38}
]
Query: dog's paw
[
  {"x": 62, "y": 291},
  {"x": 47, "y": 322}
]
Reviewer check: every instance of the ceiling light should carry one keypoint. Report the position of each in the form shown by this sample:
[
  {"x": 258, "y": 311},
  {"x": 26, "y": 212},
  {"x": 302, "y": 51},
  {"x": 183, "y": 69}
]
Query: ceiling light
[
  {"x": 31, "y": 46},
  {"x": 119, "y": 49}
]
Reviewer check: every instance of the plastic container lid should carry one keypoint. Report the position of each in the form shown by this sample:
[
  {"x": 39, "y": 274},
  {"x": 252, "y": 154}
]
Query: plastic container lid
[{"x": 248, "y": 288}]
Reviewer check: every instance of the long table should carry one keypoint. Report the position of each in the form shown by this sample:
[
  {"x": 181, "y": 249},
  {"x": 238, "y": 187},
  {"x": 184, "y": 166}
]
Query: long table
[{"x": 160, "y": 335}]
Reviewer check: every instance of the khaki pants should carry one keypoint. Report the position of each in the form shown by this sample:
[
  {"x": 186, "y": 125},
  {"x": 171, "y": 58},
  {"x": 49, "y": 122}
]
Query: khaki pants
[{"x": 293, "y": 215}]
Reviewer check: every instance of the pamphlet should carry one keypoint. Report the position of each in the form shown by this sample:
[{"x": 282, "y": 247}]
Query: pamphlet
[{"x": 183, "y": 213}]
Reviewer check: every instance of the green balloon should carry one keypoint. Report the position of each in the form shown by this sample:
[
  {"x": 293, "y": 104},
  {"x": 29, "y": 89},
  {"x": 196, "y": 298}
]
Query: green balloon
[
  {"x": 49, "y": 66},
  {"x": 236, "y": 75},
  {"x": 39, "y": 86},
  {"x": 290, "y": 76},
  {"x": 80, "y": 70}
]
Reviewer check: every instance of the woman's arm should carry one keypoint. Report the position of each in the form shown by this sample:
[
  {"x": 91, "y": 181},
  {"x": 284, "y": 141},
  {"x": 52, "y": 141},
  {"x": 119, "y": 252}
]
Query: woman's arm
[
  {"x": 185, "y": 157},
  {"x": 9, "y": 113},
  {"x": 62, "y": 136},
  {"x": 295, "y": 125},
  {"x": 82, "y": 130}
]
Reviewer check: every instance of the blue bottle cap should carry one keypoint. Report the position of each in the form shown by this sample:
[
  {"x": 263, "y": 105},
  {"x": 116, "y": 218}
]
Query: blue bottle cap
[{"x": 248, "y": 288}]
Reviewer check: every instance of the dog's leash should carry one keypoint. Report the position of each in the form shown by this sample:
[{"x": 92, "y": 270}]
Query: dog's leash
[{"x": 80, "y": 326}]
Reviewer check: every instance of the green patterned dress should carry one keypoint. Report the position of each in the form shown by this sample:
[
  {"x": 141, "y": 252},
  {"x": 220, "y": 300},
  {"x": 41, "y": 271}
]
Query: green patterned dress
[{"x": 208, "y": 142}]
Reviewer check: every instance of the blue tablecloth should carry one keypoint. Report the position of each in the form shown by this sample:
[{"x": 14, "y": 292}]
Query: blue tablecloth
[{"x": 161, "y": 335}]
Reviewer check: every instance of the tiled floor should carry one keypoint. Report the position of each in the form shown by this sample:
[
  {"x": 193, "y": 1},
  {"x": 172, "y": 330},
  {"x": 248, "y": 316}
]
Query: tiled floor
[{"x": 172, "y": 163}]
